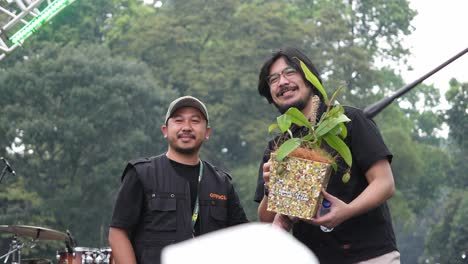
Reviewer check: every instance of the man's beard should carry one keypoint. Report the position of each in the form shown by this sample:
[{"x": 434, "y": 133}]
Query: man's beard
[
  {"x": 185, "y": 151},
  {"x": 300, "y": 104}
]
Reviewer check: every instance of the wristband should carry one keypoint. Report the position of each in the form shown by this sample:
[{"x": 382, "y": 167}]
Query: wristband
[{"x": 265, "y": 190}]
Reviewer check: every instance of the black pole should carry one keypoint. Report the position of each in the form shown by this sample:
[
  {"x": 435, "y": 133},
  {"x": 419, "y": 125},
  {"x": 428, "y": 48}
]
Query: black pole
[
  {"x": 374, "y": 109},
  {"x": 3, "y": 173}
]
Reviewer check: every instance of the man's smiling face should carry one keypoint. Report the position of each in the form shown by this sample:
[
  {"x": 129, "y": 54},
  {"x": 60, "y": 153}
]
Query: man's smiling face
[{"x": 288, "y": 89}]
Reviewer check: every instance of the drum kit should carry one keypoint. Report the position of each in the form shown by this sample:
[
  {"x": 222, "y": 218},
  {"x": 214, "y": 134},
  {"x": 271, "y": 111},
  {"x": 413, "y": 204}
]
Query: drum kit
[{"x": 72, "y": 254}]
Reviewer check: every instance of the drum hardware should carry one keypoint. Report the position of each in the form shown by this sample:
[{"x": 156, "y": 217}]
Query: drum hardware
[
  {"x": 34, "y": 232},
  {"x": 15, "y": 250},
  {"x": 72, "y": 254},
  {"x": 6, "y": 168},
  {"x": 84, "y": 255},
  {"x": 36, "y": 261},
  {"x": 80, "y": 255},
  {"x": 70, "y": 243},
  {"x": 105, "y": 256}
]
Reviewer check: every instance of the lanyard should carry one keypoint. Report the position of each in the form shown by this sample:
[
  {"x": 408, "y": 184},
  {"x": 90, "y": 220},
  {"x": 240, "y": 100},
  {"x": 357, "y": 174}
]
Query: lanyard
[{"x": 197, "y": 204}]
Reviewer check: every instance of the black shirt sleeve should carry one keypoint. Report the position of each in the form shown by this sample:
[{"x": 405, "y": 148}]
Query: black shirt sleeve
[
  {"x": 259, "y": 191},
  {"x": 366, "y": 143},
  {"x": 129, "y": 201},
  {"x": 236, "y": 214}
]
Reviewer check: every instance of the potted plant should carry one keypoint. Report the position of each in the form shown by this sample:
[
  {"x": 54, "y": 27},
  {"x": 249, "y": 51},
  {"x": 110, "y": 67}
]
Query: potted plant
[{"x": 300, "y": 168}]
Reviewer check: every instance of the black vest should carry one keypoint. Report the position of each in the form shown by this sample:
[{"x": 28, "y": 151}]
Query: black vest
[{"x": 167, "y": 213}]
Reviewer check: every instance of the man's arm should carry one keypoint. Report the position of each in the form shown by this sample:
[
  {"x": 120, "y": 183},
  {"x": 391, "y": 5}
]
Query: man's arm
[
  {"x": 236, "y": 212},
  {"x": 263, "y": 214},
  {"x": 122, "y": 249},
  {"x": 126, "y": 214},
  {"x": 381, "y": 187}
]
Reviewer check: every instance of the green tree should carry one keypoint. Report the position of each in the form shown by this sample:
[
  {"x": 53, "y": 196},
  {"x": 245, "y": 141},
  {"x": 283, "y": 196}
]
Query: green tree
[
  {"x": 213, "y": 49},
  {"x": 457, "y": 120},
  {"x": 448, "y": 238},
  {"x": 244, "y": 178},
  {"x": 76, "y": 115}
]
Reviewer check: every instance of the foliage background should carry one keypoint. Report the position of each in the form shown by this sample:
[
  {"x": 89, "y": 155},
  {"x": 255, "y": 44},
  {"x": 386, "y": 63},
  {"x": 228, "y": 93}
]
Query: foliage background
[{"x": 89, "y": 91}]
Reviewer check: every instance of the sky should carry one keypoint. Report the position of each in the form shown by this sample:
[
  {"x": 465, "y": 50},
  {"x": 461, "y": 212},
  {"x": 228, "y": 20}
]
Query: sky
[{"x": 441, "y": 32}]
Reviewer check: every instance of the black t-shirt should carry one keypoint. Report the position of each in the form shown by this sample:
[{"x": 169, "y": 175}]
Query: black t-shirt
[
  {"x": 361, "y": 237},
  {"x": 129, "y": 202},
  {"x": 190, "y": 173}
]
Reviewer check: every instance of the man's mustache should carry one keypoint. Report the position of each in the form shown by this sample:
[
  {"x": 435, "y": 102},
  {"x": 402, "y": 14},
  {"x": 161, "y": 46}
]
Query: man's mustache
[
  {"x": 285, "y": 89},
  {"x": 186, "y": 135}
]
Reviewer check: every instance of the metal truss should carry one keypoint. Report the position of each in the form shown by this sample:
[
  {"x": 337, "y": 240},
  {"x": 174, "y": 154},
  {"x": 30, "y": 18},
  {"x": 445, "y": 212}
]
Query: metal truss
[{"x": 19, "y": 19}]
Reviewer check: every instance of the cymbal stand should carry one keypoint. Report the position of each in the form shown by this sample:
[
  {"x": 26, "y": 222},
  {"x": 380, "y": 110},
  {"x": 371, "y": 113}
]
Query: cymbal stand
[
  {"x": 3, "y": 173},
  {"x": 15, "y": 251},
  {"x": 6, "y": 168}
]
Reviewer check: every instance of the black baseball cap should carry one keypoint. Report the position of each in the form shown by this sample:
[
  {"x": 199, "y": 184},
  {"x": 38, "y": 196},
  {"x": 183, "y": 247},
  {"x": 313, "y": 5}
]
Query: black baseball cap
[{"x": 187, "y": 101}]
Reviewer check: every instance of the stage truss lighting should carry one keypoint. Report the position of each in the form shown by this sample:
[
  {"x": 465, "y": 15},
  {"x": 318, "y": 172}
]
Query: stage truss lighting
[{"x": 19, "y": 19}]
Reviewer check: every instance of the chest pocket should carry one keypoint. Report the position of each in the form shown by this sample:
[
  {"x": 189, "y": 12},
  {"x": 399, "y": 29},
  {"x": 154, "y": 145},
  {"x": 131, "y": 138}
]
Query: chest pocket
[
  {"x": 217, "y": 214},
  {"x": 162, "y": 214}
]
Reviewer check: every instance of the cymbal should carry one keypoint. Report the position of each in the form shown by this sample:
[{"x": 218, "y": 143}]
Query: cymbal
[
  {"x": 35, "y": 232},
  {"x": 36, "y": 261}
]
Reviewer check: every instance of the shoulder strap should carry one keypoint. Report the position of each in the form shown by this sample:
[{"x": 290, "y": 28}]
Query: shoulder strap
[
  {"x": 138, "y": 162},
  {"x": 131, "y": 164},
  {"x": 218, "y": 171}
]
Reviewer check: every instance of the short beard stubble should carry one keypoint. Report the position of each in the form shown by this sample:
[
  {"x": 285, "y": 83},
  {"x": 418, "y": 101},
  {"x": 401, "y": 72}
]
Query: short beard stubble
[{"x": 300, "y": 104}]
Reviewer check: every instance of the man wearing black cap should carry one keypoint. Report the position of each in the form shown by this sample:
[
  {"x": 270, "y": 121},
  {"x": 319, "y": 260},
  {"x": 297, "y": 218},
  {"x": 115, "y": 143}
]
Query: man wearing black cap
[{"x": 174, "y": 196}]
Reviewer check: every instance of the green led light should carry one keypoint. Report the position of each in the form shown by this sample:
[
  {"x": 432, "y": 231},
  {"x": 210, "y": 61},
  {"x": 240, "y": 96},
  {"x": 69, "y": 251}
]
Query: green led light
[{"x": 36, "y": 22}]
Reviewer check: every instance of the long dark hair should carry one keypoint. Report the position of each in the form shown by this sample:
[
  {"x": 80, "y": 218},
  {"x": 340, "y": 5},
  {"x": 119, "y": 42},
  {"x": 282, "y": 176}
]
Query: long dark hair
[{"x": 290, "y": 55}]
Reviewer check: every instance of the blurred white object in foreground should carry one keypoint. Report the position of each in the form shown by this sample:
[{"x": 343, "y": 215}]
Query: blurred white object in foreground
[{"x": 247, "y": 243}]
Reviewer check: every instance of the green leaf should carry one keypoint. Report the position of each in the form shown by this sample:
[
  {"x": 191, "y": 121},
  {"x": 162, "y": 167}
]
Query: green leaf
[
  {"x": 334, "y": 166},
  {"x": 308, "y": 137},
  {"x": 272, "y": 127},
  {"x": 330, "y": 123},
  {"x": 336, "y": 110},
  {"x": 287, "y": 147},
  {"x": 314, "y": 80},
  {"x": 336, "y": 93},
  {"x": 346, "y": 177},
  {"x": 284, "y": 122},
  {"x": 297, "y": 117},
  {"x": 344, "y": 130},
  {"x": 336, "y": 130},
  {"x": 324, "y": 116},
  {"x": 337, "y": 144}
]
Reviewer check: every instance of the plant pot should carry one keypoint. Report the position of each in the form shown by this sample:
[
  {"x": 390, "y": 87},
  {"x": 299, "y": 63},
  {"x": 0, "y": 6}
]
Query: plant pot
[{"x": 295, "y": 185}]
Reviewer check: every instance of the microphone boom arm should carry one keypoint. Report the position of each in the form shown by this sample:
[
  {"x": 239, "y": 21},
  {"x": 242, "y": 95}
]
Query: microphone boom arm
[{"x": 372, "y": 110}]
